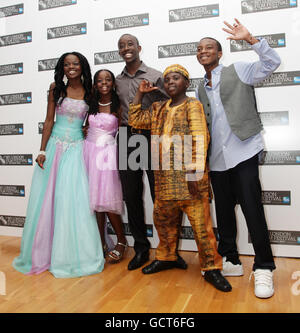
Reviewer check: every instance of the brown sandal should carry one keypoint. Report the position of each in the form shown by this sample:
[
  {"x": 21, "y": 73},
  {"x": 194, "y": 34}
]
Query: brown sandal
[{"x": 115, "y": 255}]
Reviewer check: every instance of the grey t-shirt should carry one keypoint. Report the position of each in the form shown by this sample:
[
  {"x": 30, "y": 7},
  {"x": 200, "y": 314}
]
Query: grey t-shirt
[{"x": 127, "y": 86}]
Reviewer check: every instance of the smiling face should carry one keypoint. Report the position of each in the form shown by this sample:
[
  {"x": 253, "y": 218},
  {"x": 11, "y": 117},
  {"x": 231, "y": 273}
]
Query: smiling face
[
  {"x": 72, "y": 67},
  {"x": 128, "y": 48},
  {"x": 175, "y": 84},
  {"x": 208, "y": 54},
  {"x": 104, "y": 83}
]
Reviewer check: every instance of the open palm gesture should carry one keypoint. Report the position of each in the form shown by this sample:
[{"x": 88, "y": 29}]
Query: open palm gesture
[{"x": 237, "y": 31}]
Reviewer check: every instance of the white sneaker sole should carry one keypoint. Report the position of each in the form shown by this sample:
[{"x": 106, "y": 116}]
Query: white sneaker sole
[
  {"x": 264, "y": 295},
  {"x": 263, "y": 283},
  {"x": 241, "y": 273},
  {"x": 232, "y": 270}
]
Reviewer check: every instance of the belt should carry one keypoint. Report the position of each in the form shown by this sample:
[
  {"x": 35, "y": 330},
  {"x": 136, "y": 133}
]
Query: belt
[{"x": 100, "y": 137}]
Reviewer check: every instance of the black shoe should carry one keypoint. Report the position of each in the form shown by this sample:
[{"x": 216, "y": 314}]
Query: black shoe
[
  {"x": 138, "y": 260},
  {"x": 180, "y": 263},
  {"x": 158, "y": 265},
  {"x": 217, "y": 280}
]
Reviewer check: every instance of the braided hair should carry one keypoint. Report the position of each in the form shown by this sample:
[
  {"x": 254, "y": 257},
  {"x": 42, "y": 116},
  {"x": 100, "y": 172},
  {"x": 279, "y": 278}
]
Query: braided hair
[
  {"x": 60, "y": 89},
  {"x": 95, "y": 96}
]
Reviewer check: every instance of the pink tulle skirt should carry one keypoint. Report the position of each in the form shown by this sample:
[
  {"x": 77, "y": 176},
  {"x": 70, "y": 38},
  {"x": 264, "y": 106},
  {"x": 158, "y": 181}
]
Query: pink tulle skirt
[{"x": 105, "y": 189}]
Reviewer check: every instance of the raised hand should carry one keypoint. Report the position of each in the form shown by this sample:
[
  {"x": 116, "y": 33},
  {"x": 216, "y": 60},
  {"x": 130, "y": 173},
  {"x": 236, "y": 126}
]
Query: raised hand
[
  {"x": 239, "y": 32},
  {"x": 146, "y": 87}
]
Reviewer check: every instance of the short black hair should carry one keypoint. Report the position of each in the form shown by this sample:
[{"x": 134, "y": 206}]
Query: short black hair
[
  {"x": 219, "y": 46},
  {"x": 137, "y": 41}
]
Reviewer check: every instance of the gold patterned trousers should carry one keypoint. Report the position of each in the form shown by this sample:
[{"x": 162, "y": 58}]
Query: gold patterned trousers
[{"x": 168, "y": 218}]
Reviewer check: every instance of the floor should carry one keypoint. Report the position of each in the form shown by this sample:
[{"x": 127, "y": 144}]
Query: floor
[{"x": 117, "y": 290}]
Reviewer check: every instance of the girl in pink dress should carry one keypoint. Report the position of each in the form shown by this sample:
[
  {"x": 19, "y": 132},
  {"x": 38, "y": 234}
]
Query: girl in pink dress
[{"x": 100, "y": 155}]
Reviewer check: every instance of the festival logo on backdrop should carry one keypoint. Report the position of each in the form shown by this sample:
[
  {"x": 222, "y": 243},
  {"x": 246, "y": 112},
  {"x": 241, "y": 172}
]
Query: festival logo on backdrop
[
  {"x": 48, "y": 4},
  {"x": 12, "y": 190},
  {"x": 126, "y": 22},
  {"x": 254, "y": 6},
  {"x": 11, "y": 129},
  {"x": 281, "y": 79},
  {"x": 47, "y": 64},
  {"x": 186, "y": 232},
  {"x": 17, "y": 98},
  {"x": 11, "y": 69},
  {"x": 67, "y": 31},
  {"x": 194, "y": 83},
  {"x": 177, "y": 50},
  {"x": 274, "y": 118},
  {"x": 282, "y": 237},
  {"x": 12, "y": 221},
  {"x": 108, "y": 57},
  {"x": 193, "y": 13},
  {"x": 284, "y": 157},
  {"x": 12, "y": 10},
  {"x": 15, "y": 159},
  {"x": 274, "y": 40},
  {"x": 20, "y": 38},
  {"x": 276, "y": 198}
]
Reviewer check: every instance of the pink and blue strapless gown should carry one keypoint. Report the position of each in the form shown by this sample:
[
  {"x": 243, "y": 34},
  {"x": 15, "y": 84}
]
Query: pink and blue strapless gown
[
  {"x": 60, "y": 232},
  {"x": 100, "y": 155}
]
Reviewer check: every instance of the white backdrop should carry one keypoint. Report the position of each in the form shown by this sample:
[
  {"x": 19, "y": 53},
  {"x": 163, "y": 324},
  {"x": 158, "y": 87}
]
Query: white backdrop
[{"x": 33, "y": 34}]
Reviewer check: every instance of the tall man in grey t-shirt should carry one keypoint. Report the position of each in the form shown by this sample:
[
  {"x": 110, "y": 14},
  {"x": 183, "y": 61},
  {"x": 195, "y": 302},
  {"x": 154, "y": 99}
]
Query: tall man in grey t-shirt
[{"x": 127, "y": 84}]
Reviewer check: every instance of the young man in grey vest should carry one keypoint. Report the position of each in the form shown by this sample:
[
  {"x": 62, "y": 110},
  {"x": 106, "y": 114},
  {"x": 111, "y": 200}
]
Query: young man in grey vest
[{"x": 228, "y": 98}]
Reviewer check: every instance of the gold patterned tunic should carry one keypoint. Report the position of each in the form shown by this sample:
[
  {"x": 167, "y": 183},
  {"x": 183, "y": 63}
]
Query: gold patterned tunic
[{"x": 180, "y": 140}]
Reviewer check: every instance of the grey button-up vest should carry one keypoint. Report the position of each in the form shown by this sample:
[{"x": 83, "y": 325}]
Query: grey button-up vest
[{"x": 239, "y": 103}]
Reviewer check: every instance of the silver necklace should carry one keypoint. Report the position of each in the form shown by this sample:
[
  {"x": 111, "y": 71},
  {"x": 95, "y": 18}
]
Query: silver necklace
[{"x": 104, "y": 104}]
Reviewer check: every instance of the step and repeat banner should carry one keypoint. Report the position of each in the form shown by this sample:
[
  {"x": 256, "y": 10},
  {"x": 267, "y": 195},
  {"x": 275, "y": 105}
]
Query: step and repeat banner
[{"x": 34, "y": 33}]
